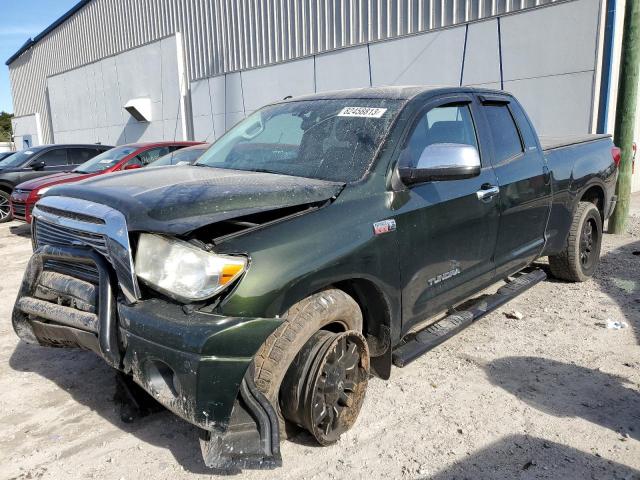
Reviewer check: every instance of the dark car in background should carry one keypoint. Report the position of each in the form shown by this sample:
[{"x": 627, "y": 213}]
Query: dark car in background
[
  {"x": 185, "y": 156},
  {"x": 4, "y": 155},
  {"x": 38, "y": 162},
  {"x": 124, "y": 157}
]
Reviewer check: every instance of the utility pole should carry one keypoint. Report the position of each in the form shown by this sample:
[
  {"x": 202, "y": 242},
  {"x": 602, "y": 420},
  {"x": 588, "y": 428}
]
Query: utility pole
[{"x": 626, "y": 111}]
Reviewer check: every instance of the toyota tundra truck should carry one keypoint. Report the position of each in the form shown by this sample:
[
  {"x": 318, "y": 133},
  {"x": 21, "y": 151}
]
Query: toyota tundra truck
[{"x": 317, "y": 243}]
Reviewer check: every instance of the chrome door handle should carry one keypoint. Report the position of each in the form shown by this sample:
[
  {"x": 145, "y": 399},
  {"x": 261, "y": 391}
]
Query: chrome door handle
[{"x": 488, "y": 193}]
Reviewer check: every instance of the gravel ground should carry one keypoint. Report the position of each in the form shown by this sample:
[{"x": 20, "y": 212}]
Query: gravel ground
[{"x": 555, "y": 394}]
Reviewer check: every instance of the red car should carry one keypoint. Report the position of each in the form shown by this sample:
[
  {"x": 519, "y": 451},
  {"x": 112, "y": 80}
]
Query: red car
[{"x": 125, "y": 157}]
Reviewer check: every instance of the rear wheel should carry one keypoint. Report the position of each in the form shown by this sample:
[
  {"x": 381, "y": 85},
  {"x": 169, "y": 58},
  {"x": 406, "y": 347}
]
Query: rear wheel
[
  {"x": 326, "y": 312},
  {"x": 581, "y": 255},
  {"x": 5, "y": 209}
]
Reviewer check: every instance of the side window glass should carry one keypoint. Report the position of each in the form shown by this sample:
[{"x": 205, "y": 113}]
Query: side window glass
[
  {"x": 145, "y": 158},
  {"x": 506, "y": 141},
  {"x": 446, "y": 124},
  {"x": 54, "y": 158},
  {"x": 526, "y": 129},
  {"x": 81, "y": 155}
]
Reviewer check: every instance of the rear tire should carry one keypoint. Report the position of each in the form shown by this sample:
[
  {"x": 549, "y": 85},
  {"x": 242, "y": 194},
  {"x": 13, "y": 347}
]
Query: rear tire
[
  {"x": 581, "y": 255},
  {"x": 301, "y": 322},
  {"x": 5, "y": 209}
]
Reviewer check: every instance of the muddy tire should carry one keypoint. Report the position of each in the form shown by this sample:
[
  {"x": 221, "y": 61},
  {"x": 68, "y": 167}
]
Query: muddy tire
[
  {"x": 581, "y": 255},
  {"x": 301, "y": 322},
  {"x": 5, "y": 210}
]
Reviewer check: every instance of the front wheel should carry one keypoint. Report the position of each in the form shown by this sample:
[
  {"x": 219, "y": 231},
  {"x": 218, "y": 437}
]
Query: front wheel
[
  {"x": 317, "y": 317},
  {"x": 5, "y": 209},
  {"x": 581, "y": 255},
  {"x": 324, "y": 388}
]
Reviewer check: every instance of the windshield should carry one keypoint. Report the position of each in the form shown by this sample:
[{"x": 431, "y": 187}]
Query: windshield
[
  {"x": 325, "y": 139},
  {"x": 17, "y": 159},
  {"x": 186, "y": 155},
  {"x": 105, "y": 160}
]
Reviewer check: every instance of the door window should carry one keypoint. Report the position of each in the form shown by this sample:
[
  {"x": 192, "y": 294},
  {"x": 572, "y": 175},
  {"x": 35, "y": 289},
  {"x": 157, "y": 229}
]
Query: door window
[
  {"x": 78, "y": 156},
  {"x": 506, "y": 139},
  {"x": 524, "y": 125},
  {"x": 445, "y": 124},
  {"x": 54, "y": 158},
  {"x": 145, "y": 158}
]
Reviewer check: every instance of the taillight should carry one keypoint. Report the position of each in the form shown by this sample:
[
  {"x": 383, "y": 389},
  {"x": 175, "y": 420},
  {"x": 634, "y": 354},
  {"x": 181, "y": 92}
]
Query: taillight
[{"x": 615, "y": 153}]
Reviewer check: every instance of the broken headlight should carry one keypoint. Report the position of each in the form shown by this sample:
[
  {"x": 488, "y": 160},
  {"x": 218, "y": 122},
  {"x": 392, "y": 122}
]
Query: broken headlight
[{"x": 182, "y": 270}]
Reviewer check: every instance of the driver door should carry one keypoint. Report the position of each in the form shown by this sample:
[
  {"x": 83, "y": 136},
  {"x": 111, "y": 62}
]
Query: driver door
[
  {"x": 447, "y": 229},
  {"x": 55, "y": 160}
]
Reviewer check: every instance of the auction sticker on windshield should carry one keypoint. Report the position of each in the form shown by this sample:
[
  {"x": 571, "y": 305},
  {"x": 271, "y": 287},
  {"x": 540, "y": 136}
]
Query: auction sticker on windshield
[{"x": 366, "y": 112}]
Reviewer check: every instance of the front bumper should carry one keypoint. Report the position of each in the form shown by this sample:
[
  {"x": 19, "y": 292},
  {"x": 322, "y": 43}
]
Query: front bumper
[
  {"x": 20, "y": 208},
  {"x": 198, "y": 365}
]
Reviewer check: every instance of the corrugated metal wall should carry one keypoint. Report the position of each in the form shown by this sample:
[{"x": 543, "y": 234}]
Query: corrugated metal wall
[{"x": 227, "y": 35}]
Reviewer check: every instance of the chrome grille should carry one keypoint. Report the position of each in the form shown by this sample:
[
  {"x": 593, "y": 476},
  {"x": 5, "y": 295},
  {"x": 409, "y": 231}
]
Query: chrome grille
[
  {"x": 62, "y": 221},
  {"x": 57, "y": 235}
]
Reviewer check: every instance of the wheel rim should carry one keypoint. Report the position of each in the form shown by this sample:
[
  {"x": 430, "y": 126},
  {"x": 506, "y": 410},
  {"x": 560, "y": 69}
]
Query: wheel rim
[
  {"x": 5, "y": 209},
  {"x": 324, "y": 389},
  {"x": 589, "y": 239}
]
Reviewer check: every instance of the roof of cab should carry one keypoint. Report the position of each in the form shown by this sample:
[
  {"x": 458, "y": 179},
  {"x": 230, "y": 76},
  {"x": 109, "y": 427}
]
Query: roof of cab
[
  {"x": 161, "y": 144},
  {"x": 65, "y": 145},
  {"x": 391, "y": 92}
]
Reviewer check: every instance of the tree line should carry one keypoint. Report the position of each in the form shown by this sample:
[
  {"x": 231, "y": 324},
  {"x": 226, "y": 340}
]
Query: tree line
[{"x": 5, "y": 126}]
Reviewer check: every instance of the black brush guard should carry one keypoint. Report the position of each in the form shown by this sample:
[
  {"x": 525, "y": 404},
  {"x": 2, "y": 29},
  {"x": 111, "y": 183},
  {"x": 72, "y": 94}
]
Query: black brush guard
[{"x": 251, "y": 439}]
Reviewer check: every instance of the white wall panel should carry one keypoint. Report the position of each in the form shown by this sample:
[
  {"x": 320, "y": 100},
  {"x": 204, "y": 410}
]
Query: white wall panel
[
  {"x": 429, "y": 59},
  {"x": 482, "y": 58},
  {"x": 88, "y": 102},
  {"x": 25, "y": 127},
  {"x": 269, "y": 84},
  {"x": 557, "y": 105},
  {"x": 234, "y": 101},
  {"x": 550, "y": 41},
  {"x": 348, "y": 68}
]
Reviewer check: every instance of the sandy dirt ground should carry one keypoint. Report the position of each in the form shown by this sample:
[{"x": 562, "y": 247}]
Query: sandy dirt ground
[{"x": 555, "y": 394}]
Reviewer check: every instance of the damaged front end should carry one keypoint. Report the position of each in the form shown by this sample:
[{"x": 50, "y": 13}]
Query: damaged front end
[{"x": 198, "y": 365}]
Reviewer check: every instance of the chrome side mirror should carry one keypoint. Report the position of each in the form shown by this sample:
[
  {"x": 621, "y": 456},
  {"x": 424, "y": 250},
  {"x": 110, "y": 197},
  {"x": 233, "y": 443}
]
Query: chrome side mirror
[{"x": 443, "y": 161}]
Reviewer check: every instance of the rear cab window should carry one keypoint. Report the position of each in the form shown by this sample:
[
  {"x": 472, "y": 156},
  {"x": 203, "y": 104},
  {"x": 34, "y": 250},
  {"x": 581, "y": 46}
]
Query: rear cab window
[
  {"x": 504, "y": 133},
  {"x": 529, "y": 136}
]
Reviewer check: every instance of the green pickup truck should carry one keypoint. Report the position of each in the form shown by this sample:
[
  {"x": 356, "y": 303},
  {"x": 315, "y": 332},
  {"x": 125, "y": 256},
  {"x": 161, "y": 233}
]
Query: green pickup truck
[{"x": 320, "y": 241}]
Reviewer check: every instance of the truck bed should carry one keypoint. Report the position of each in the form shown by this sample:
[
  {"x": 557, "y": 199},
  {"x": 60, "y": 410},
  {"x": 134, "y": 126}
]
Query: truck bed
[{"x": 552, "y": 142}]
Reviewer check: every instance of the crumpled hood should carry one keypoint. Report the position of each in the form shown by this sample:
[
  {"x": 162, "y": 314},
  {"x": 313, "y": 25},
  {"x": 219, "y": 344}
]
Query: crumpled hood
[
  {"x": 53, "y": 179},
  {"x": 178, "y": 200}
]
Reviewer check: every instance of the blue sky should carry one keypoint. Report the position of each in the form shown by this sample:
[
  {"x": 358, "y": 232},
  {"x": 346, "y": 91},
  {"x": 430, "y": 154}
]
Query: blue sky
[{"x": 20, "y": 21}]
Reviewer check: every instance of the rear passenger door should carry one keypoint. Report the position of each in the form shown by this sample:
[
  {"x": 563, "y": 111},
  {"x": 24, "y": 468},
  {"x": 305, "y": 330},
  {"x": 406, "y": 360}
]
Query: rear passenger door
[
  {"x": 524, "y": 182},
  {"x": 79, "y": 155}
]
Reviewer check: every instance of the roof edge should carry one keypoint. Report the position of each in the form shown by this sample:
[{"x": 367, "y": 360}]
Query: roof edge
[{"x": 32, "y": 41}]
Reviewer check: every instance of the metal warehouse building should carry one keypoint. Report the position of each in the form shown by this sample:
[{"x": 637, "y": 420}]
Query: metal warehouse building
[{"x": 118, "y": 71}]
